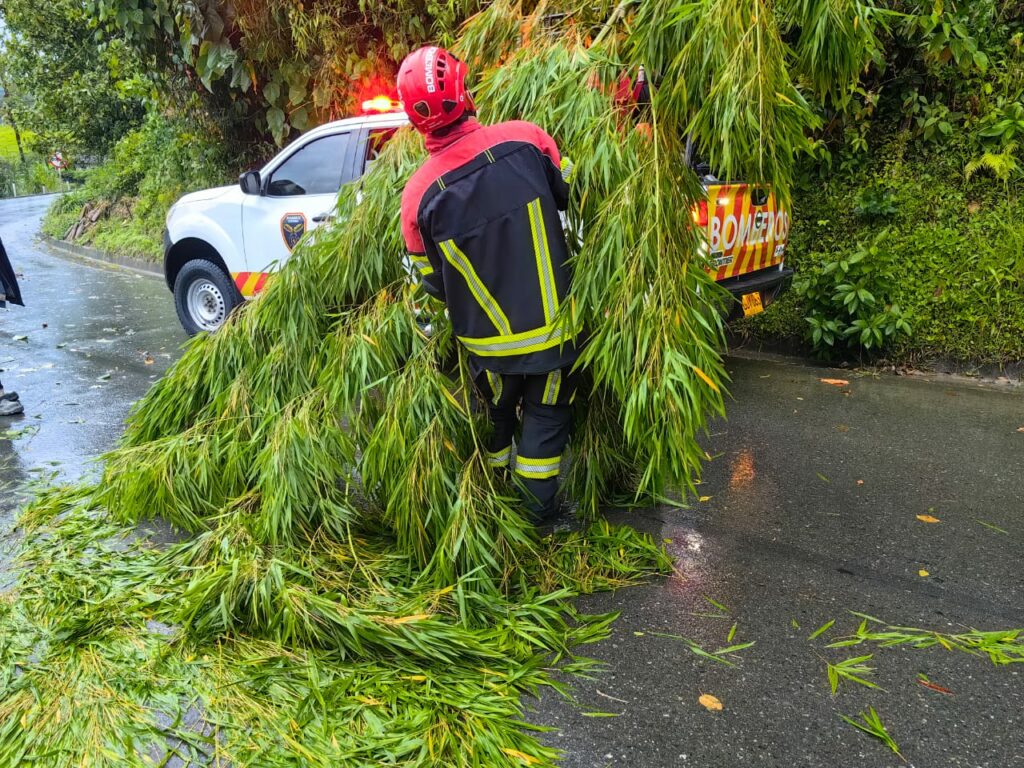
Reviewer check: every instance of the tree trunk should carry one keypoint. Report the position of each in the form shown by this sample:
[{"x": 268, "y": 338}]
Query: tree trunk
[
  {"x": 17, "y": 133},
  {"x": 10, "y": 118}
]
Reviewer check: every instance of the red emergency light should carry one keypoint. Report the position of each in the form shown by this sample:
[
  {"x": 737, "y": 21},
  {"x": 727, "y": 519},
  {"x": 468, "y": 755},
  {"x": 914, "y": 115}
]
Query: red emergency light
[
  {"x": 381, "y": 104},
  {"x": 700, "y": 214}
]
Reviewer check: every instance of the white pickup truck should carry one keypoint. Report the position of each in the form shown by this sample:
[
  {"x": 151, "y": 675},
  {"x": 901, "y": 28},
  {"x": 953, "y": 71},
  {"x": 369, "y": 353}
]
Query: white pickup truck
[{"x": 221, "y": 244}]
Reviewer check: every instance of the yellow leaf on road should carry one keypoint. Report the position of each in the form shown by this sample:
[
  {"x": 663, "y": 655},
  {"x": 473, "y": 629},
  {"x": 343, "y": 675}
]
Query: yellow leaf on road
[
  {"x": 928, "y": 519},
  {"x": 835, "y": 382},
  {"x": 923, "y": 573},
  {"x": 704, "y": 498},
  {"x": 710, "y": 702}
]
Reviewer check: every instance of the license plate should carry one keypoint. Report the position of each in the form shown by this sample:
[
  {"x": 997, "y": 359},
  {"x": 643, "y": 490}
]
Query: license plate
[{"x": 752, "y": 304}]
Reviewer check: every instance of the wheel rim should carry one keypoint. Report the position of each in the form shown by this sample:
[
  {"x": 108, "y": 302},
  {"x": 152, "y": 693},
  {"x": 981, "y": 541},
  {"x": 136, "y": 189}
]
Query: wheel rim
[{"x": 206, "y": 305}]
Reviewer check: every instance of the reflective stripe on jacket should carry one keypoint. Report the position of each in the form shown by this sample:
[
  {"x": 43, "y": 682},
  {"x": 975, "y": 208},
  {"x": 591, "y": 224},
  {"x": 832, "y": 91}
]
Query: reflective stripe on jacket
[{"x": 481, "y": 220}]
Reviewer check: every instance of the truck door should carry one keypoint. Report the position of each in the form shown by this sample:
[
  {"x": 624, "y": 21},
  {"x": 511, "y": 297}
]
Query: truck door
[{"x": 299, "y": 192}]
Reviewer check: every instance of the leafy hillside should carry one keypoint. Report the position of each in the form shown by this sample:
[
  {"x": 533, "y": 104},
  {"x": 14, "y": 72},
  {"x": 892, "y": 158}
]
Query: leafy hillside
[{"x": 948, "y": 250}]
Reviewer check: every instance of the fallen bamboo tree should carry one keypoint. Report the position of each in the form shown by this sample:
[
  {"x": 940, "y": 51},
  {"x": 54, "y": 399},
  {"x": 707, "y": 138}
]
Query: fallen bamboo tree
[{"x": 354, "y": 572}]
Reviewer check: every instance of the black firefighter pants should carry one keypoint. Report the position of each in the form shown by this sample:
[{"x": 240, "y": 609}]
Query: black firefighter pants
[{"x": 546, "y": 403}]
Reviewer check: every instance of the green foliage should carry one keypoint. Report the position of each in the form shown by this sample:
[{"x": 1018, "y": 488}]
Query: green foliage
[
  {"x": 954, "y": 241},
  {"x": 1003, "y": 165},
  {"x": 276, "y": 67},
  {"x": 98, "y": 608},
  {"x": 875, "y": 203},
  {"x": 871, "y": 724},
  {"x": 148, "y": 170},
  {"x": 71, "y": 93},
  {"x": 848, "y": 301},
  {"x": 934, "y": 121},
  {"x": 853, "y": 670},
  {"x": 1005, "y": 124},
  {"x": 949, "y": 33},
  {"x": 1001, "y": 647},
  {"x": 32, "y": 177}
]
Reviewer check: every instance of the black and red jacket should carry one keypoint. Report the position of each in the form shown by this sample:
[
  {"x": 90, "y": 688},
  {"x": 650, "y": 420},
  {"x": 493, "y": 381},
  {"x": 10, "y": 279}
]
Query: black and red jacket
[{"x": 481, "y": 220}]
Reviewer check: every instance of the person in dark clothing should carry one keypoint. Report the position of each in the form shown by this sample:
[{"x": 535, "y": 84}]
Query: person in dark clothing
[
  {"x": 481, "y": 221},
  {"x": 9, "y": 292}
]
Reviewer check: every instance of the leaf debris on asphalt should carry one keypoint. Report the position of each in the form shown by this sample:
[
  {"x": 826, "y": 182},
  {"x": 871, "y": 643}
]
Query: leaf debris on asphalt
[
  {"x": 1003, "y": 646},
  {"x": 821, "y": 630},
  {"x": 871, "y": 724},
  {"x": 710, "y": 703},
  {"x": 995, "y": 528},
  {"x": 717, "y": 655},
  {"x": 853, "y": 670}
]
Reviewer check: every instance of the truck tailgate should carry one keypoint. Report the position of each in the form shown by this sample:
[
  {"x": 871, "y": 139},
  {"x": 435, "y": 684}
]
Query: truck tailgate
[{"x": 747, "y": 230}]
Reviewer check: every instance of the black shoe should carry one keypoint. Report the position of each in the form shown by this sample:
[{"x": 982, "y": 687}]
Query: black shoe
[{"x": 558, "y": 520}]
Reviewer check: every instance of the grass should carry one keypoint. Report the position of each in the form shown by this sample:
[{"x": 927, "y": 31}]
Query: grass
[
  {"x": 129, "y": 238},
  {"x": 8, "y": 144},
  {"x": 958, "y": 249}
]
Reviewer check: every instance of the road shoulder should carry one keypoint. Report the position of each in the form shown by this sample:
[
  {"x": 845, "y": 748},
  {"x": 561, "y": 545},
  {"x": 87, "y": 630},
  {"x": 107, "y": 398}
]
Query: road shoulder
[{"x": 100, "y": 258}]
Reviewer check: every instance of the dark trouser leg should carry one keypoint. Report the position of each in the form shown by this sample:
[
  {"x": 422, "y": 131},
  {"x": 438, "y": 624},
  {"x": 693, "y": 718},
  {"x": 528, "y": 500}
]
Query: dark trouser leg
[
  {"x": 503, "y": 393},
  {"x": 547, "y": 419}
]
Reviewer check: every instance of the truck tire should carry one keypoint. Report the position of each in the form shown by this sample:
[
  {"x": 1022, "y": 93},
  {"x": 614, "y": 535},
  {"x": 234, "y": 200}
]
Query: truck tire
[{"x": 204, "y": 296}]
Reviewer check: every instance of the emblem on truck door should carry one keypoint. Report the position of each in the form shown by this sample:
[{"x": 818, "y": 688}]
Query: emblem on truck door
[{"x": 293, "y": 227}]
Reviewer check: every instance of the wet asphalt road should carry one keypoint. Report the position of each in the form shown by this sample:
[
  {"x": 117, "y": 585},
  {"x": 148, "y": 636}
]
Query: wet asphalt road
[
  {"x": 810, "y": 511},
  {"x": 89, "y": 334}
]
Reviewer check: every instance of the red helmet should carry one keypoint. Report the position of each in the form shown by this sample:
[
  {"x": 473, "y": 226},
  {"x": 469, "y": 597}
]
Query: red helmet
[{"x": 432, "y": 87}]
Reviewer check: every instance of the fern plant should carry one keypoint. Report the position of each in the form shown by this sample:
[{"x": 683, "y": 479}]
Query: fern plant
[{"x": 1003, "y": 165}]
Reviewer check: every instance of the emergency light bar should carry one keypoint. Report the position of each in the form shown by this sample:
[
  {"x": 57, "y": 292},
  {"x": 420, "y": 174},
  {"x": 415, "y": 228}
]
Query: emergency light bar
[{"x": 381, "y": 104}]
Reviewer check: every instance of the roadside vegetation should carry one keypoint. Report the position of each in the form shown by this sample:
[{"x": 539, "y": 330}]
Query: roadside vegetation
[
  {"x": 940, "y": 255},
  {"x": 915, "y": 173},
  {"x": 121, "y": 204},
  {"x": 908, "y": 235},
  {"x": 23, "y": 172}
]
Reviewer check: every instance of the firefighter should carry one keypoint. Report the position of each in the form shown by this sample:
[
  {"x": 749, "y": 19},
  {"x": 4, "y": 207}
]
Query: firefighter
[{"x": 481, "y": 222}]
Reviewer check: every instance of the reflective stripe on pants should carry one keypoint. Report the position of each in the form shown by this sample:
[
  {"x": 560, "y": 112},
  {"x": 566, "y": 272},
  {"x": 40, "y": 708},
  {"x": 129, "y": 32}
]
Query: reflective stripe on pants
[{"x": 545, "y": 426}]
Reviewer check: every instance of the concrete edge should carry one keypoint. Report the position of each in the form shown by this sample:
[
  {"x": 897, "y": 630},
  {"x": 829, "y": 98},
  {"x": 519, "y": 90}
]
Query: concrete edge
[
  {"x": 939, "y": 371},
  {"x": 84, "y": 252}
]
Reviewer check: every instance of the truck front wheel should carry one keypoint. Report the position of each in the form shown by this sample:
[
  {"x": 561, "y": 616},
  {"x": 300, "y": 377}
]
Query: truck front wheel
[{"x": 204, "y": 296}]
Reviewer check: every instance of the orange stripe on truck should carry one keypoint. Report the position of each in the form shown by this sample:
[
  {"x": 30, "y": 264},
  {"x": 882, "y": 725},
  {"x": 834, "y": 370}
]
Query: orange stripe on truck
[{"x": 249, "y": 283}]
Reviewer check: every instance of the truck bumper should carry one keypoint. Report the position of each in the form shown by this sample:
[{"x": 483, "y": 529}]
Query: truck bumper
[
  {"x": 770, "y": 283},
  {"x": 167, "y": 250}
]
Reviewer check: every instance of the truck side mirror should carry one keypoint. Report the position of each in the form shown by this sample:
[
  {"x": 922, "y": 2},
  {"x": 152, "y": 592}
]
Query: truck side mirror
[{"x": 250, "y": 183}]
